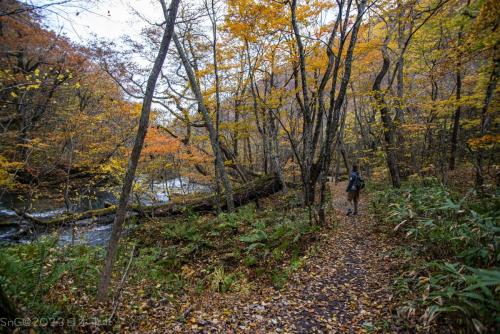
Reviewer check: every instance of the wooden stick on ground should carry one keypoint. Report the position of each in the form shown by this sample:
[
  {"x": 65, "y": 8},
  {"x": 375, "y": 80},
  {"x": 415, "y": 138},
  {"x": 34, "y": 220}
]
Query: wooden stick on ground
[{"x": 116, "y": 299}]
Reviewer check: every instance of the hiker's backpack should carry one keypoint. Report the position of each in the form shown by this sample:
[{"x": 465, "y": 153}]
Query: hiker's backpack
[{"x": 359, "y": 183}]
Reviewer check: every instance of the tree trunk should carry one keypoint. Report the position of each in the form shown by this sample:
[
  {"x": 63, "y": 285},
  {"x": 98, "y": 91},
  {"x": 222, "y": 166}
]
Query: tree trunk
[
  {"x": 219, "y": 163},
  {"x": 235, "y": 131},
  {"x": 389, "y": 135},
  {"x": 456, "y": 115},
  {"x": 485, "y": 117},
  {"x": 136, "y": 151},
  {"x": 307, "y": 126},
  {"x": 255, "y": 189},
  {"x": 273, "y": 142},
  {"x": 336, "y": 103},
  {"x": 456, "y": 123}
]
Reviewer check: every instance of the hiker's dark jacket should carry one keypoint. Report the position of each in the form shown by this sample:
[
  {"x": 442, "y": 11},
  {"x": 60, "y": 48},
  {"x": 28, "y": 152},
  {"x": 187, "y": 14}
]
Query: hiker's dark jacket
[{"x": 352, "y": 181}]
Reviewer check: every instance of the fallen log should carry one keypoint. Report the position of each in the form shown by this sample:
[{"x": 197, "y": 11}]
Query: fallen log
[
  {"x": 258, "y": 188},
  {"x": 69, "y": 217},
  {"x": 253, "y": 190}
]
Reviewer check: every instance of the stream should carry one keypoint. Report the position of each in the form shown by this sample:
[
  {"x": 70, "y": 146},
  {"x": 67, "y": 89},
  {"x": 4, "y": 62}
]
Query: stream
[{"x": 15, "y": 229}]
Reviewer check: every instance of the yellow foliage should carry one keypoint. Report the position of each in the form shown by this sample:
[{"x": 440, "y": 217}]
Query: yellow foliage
[
  {"x": 7, "y": 172},
  {"x": 487, "y": 141}
]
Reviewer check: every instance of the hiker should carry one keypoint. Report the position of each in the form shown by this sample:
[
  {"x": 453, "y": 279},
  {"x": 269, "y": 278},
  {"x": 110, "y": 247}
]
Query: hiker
[{"x": 354, "y": 187}]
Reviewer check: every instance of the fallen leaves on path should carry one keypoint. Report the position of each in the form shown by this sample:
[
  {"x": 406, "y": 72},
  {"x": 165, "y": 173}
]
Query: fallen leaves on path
[{"x": 343, "y": 287}]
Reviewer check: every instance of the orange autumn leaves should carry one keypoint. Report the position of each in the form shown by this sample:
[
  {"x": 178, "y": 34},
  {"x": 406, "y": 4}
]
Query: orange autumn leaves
[{"x": 159, "y": 144}]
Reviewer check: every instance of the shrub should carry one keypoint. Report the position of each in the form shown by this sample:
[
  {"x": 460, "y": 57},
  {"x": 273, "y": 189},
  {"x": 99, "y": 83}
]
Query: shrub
[
  {"x": 220, "y": 281},
  {"x": 29, "y": 272},
  {"x": 457, "y": 239}
]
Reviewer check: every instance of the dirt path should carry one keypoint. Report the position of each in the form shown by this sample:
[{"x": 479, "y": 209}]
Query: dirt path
[{"x": 342, "y": 288}]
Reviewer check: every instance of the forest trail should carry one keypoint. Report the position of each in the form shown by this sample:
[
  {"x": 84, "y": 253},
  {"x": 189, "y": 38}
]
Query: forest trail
[{"x": 343, "y": 287}]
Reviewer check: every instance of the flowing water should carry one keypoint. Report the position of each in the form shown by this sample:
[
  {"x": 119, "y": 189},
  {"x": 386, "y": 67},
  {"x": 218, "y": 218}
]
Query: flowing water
[{"x": 15, "y": 229}]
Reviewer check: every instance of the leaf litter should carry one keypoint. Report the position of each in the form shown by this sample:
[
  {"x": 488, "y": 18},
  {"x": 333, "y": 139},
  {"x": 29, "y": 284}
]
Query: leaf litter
[{"x": 343, "y": 286}]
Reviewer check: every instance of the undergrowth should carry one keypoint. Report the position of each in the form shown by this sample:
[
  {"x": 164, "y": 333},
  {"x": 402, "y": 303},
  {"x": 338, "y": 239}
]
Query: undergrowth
[
  {"x": 227, "y": 252},
  {"x": 32, "y": 274},
  {"x": 232, "y": 252},
  {"x": 451, "y": 247}
]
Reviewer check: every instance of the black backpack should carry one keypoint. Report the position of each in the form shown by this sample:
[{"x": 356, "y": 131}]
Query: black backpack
[{"x": 359, "y": 183}]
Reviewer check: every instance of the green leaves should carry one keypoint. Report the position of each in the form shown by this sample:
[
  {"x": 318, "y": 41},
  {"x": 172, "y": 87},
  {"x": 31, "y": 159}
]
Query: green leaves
[
  {"x": 32, "y": 272},
  {"x": 458, "y": 240},
  {"x": 453, "y": 288},
  {"x": 254, "y": 236}
]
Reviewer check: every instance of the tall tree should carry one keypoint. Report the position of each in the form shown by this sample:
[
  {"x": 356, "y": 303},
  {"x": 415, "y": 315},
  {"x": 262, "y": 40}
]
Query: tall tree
[
  {"x": 195, "y": 87},
  {"x": 170, "y": 15},
  {"x": 320, "y": 119}
]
